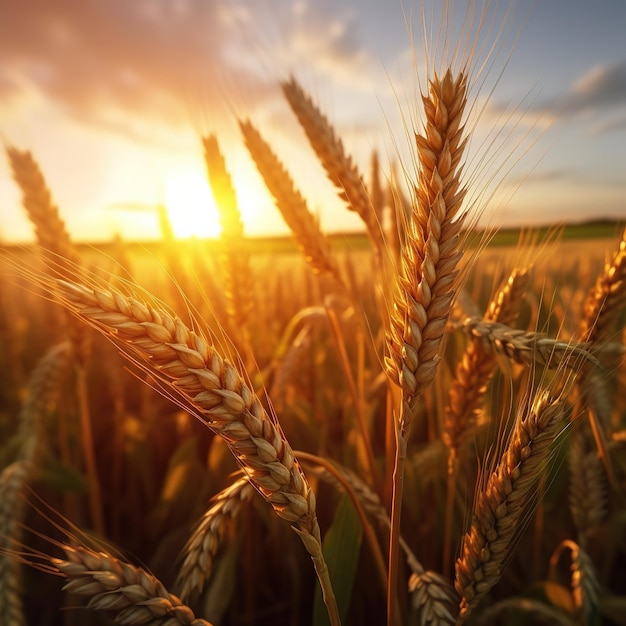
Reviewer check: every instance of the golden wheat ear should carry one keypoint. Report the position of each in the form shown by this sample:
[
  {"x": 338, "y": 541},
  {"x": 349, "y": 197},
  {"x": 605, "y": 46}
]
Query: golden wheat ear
[
  {"x": 292, "y": 205},
  {"x": 339, "y": 167},
  {"x": 131, "y": 593},
  {"x": 428, "y": 275},
  {"x": 500, "y": 504}
]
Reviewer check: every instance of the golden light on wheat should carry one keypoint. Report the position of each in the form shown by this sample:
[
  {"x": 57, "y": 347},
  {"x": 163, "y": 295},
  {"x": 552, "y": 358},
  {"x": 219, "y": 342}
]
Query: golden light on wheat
[{"x": 411, "y": 428}]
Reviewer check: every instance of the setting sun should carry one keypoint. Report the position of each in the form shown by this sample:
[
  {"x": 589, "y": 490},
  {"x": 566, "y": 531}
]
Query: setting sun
[{"x": 190, "y": 205}]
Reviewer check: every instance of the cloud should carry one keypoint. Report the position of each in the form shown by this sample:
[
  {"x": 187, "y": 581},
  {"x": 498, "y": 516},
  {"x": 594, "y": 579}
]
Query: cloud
[
  {"x": 92, "y": 57},
  {"x": 602, "y": 87},
  {"x": 97, "y": 58}
]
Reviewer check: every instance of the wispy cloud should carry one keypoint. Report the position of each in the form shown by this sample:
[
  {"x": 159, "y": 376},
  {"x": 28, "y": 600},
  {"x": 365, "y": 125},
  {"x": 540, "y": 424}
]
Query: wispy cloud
[
  {"x": 95, "y": 57},
  {"x": 602, "y": 87}
]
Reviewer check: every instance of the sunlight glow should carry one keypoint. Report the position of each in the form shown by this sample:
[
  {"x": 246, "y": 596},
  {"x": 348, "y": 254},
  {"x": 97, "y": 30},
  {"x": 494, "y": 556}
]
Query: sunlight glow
[{"x": 190, "y": 205}]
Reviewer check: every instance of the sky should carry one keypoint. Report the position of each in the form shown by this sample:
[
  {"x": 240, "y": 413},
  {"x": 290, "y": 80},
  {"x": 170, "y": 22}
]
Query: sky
[{"x": 112, "y": 98}]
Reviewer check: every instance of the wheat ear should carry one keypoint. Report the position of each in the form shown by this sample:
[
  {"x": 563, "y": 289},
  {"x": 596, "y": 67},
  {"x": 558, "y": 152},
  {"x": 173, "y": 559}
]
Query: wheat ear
[
  {"x": 192, "y": 368},
  {"x": 606, "y": 299},
  {"x": 134, "y": 595},
  {"x": 601, "y": 311},
  {"x": 528, "y": 348},
  {"x": 432, "y": 600},
  {"x": 238, "y": 276},
  {"x": 500, "y": 504},
  {"x": 428, "y": 273},
  {"x": 472, "y": 376},
  {"x": 291, "y": 204},
  {"x": 588, "y": 495},
  {"x": 329, "y": 149},
  {"x": 50, "y": 228},
  {"x": 43, "y": 389},
  {"x": 476, "y": 367},
  {"x": 203, "y": 544}
]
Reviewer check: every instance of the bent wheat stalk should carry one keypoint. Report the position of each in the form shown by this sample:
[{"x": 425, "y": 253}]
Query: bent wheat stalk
[{"x": 192, "y": 369}]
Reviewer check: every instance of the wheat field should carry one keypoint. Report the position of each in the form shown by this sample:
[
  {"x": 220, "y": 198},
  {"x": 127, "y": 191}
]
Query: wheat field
[{"x": 422, "y": 429}]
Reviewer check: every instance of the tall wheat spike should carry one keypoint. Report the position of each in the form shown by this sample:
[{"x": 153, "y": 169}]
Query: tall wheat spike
[
  {"x": 63, "y": 256},
  {"x": 428, "y": 273},
  {"x": 606, "y": 299},
  {"x": 204, "y": 543}
]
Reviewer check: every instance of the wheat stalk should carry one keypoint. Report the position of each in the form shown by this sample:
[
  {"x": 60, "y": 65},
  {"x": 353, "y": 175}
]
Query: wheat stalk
[
  {"x": 500, "y": 503},
  {"x": 192, "y": 368}
]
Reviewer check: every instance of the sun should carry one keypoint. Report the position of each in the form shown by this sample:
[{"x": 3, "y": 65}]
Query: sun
[{"x": 190, "y": 205}]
